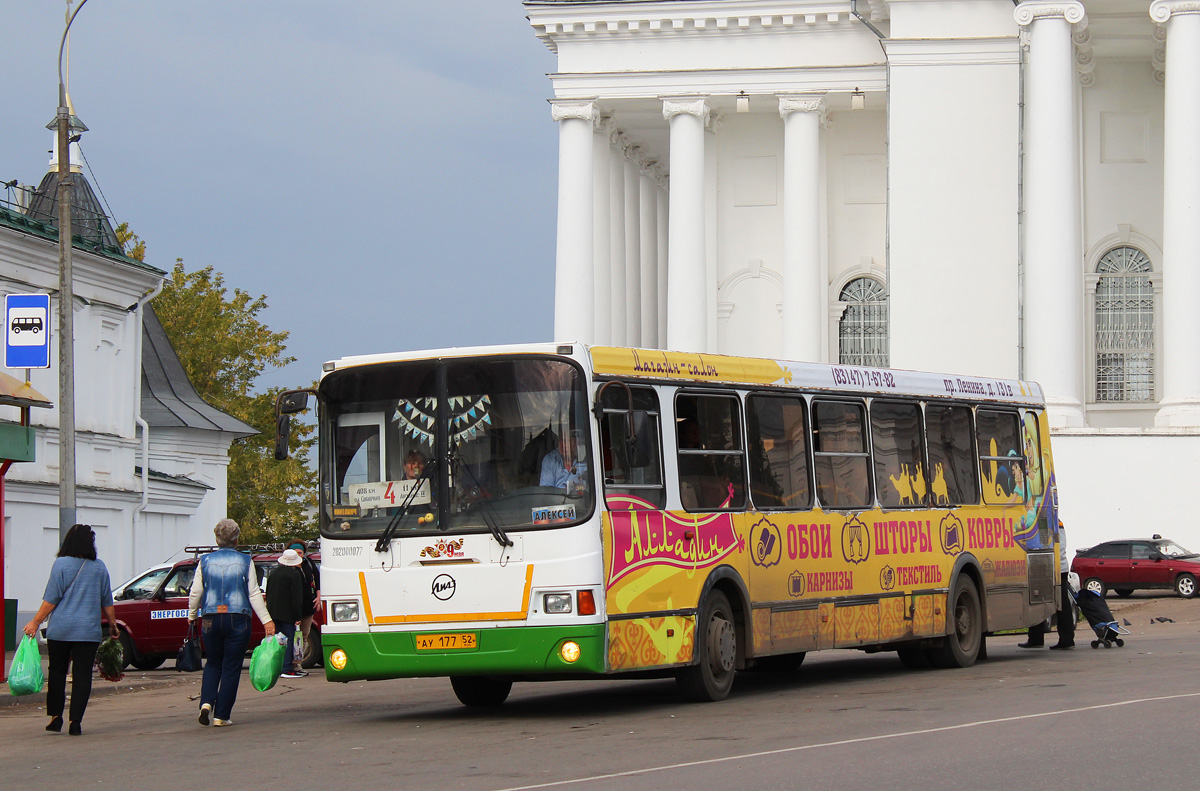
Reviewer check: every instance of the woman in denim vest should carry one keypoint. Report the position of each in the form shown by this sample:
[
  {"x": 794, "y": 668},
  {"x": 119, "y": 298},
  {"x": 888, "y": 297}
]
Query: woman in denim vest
[{"x": 223, "y": 593}]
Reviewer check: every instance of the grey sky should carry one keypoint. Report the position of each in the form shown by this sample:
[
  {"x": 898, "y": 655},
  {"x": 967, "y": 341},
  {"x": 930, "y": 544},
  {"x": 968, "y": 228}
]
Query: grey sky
[{"x": 385, "y": 172}]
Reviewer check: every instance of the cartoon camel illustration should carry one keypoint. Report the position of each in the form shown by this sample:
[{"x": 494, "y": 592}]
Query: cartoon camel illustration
[
  {"x": 940, "y": 493},
  {"x": 918, "y": 485},
  {"x": 902, "y": 485}
]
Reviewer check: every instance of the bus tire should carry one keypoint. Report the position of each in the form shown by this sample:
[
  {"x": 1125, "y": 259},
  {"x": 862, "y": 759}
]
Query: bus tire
[
  {"x": 480, "y": 691},
  {"x": 711, "y": 677},
  {"x": 312, "y": 649},
  {"x": 960, "y": 648}
]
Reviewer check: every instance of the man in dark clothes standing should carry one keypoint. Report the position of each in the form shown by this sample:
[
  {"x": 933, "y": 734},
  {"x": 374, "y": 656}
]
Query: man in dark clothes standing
[
  {"x": 312, "y": 590},
  {"x": 285, "y": 603}
]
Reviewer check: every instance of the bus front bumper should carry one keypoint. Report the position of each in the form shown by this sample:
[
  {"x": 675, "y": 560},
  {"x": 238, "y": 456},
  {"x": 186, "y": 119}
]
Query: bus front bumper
[{"x": 521, "y": 650}]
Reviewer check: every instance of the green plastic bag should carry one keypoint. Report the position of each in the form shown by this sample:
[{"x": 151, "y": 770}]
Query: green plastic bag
[
  {"x": 25, "y": 675},
  {"x": 266, "y": 663}
]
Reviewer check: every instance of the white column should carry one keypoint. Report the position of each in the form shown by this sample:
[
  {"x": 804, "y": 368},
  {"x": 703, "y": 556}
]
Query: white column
[
  {"x": 602, "y": 242},
  {"x": 1180, "y": 358},
  {"x": 633, "y": 248},
  {"x": 1053, "y": 332},
  {"x": 616, "y": 209},
  {"x": 804, "y": 298},
  {"x": 686, "y": 298},
  {"x": 648, "y": 206},
  {"x": 573, "y": 298},
  {"x": 662, "y": 221}
]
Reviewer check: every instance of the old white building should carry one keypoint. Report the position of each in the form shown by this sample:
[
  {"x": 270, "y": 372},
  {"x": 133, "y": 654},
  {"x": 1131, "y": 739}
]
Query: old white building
[
  {"x": 134, "y": 407},
  {"x": 971, "y": 186}
]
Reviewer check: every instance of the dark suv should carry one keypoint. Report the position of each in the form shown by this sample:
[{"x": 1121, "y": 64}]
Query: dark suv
[
  {"x": 1127, "y": 565},
  {"x": 152, "y": 609}
]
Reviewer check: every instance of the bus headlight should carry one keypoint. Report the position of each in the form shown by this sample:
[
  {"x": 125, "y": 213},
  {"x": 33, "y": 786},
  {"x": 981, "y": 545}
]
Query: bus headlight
[
  {"x": 337, "y": 658},
  {"x": 345, "y": 611},
  {"x": 556, "y": 602},
  {"x": 569, "y": 652}
]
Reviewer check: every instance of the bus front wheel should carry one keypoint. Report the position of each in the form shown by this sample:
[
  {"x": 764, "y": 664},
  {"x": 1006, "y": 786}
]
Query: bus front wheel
[
  {"x": 480, "y": 691},
  {"x": 711, "y": 677},
  {"x": 961, "y": 646}
]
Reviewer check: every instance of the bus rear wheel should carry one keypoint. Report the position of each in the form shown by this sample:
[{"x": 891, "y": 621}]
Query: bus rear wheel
[
  {"x": 711, "y": 678},
  {"x": 961, "y": 646},
  {"x": 480, "y": 691}
]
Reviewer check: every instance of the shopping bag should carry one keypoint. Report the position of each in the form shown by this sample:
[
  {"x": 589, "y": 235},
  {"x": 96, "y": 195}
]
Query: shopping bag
[
  {"x": 188, "y": 658},
  {"x": 25, "y": 674},
  {"x": 298, "y": 648},
  {"x": 266, "y": 663}
]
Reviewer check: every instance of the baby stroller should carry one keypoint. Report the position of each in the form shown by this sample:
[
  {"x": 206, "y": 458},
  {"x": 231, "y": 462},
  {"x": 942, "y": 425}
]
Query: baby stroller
[{"x": 1095, "y": 609}]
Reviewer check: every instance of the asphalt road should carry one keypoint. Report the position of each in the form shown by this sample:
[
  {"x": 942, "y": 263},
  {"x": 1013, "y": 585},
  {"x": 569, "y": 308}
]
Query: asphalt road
[{"x": 1100, "y": 718}]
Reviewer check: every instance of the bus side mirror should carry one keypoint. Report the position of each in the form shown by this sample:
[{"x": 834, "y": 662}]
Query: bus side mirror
[
  {"x": 641, "y": 440},
  {"x": 292, "y": 402},
  {"x": 283, "y": 432}
]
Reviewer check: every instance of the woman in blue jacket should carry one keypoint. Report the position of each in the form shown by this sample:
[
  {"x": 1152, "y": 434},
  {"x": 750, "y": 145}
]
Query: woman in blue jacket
[
  {"x": 77, "y": 591},
  {"x": 223, "y": 593}
]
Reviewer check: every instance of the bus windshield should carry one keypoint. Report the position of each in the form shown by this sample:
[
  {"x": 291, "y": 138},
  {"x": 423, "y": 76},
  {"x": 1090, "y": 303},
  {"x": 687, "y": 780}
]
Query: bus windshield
[{"x": 515, "y": 434}]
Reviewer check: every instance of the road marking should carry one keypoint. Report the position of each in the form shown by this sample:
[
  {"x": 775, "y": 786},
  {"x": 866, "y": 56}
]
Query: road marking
[{"x": 841, "y": 742}]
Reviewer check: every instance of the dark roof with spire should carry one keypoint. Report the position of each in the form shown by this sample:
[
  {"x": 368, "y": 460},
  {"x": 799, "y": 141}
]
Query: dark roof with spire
[
  {"x": 168, "y": 397},
  {"x": 88, "y": 219}
]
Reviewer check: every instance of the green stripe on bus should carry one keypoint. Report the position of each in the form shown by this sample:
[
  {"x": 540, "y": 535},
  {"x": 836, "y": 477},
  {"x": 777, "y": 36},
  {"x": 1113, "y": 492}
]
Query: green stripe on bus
[{"x": 515, "y": 650}]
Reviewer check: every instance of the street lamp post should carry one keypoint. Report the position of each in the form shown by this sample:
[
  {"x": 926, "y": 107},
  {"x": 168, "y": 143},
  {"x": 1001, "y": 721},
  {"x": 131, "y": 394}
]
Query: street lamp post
[{"x": 66, "y": 300}]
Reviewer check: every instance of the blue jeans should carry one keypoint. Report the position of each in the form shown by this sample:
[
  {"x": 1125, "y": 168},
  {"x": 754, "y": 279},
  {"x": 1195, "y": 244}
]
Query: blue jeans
[
  {"x": 226, "y": 637},
  {"x": 289, "y": 631}
]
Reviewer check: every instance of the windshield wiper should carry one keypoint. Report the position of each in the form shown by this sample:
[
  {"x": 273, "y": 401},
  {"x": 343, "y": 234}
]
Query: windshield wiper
[
  {"x": 485, "y": 506},
  {"x": 382, "y": 544}
]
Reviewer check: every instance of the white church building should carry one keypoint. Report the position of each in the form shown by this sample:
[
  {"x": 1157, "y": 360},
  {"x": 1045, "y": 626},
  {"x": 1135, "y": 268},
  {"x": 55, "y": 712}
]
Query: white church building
[
  {"x": 985, "y": 187},
  {"x": 151, "y": 456}
]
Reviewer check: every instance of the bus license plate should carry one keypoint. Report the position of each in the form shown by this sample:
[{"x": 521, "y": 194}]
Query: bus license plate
[{"x": 447, "y": 641}]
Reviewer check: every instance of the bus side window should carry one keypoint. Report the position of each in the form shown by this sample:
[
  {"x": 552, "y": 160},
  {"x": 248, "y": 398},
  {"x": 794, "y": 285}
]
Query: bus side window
[
  {"x": 840, "y": 456},
  {"x": 777, "y": 440},
  {"x": 899, "y": 458},
  {"x": 710, "y": 456},
  {"x": 952, "y": 467},
  {"x": 1001, "y": 457},
  {"x": 627, "y": 487}
]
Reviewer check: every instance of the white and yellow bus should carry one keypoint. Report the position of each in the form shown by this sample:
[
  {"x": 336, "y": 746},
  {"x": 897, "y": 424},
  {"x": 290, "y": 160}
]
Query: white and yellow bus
[{"x": 540, "y": 511}]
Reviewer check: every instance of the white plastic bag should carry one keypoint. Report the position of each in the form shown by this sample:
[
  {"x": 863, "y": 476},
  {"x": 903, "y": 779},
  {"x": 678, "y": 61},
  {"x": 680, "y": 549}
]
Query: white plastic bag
[{"x": 298, "y": 647}]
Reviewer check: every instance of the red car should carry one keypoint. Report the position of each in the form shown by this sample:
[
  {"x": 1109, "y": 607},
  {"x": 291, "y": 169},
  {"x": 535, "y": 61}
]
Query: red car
[
  {"x": 1130, "y": 564},
  {"x": 152, "y": 611}
]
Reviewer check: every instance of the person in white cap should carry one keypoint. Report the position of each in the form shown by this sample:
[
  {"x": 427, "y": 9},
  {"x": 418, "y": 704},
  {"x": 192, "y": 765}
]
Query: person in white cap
[{"x": 285, "y": 602}]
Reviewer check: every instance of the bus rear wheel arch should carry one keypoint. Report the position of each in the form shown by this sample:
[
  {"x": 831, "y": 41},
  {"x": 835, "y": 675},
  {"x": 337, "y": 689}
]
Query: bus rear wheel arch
[{"x": 710, "y": 678}]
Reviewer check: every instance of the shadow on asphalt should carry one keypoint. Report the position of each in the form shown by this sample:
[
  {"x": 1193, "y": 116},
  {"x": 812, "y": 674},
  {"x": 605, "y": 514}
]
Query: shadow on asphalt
[{"x": 828, "y": 673}]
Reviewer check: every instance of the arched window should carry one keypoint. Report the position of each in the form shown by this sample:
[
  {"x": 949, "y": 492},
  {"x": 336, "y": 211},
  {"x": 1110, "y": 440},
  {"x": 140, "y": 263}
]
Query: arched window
[
  {"x": 1124, "y": 327},
  {"x": 863, "y": 330}
]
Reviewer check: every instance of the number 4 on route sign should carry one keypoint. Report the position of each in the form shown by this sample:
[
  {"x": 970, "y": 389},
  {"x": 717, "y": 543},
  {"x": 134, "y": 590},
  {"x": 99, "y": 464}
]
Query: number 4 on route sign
[{"x": 27, "y": 331}]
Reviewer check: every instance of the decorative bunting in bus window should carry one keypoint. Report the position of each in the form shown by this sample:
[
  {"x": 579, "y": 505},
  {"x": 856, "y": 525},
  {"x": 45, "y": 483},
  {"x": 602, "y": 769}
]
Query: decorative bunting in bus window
[{"x": 469, "y": 418}]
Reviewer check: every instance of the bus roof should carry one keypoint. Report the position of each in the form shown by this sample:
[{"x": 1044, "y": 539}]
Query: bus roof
[{"x": 699, "y": 368}]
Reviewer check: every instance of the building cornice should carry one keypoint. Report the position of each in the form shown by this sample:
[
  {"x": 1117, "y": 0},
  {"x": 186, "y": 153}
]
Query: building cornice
[{"x": 555, "y": 22}]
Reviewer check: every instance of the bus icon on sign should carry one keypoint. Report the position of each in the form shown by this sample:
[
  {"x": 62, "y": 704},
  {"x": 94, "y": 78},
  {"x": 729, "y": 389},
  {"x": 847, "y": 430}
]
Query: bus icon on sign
[{"x": 26, "y": 324}]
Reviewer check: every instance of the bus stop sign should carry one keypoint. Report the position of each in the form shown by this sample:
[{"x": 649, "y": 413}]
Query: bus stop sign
[{"x": 26, "y": 330}]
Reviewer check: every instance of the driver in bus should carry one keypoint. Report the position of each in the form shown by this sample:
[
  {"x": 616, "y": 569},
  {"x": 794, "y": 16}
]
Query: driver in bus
[
  {"x": 563, "y": 467},
  {"x": 414, "y": 465}
]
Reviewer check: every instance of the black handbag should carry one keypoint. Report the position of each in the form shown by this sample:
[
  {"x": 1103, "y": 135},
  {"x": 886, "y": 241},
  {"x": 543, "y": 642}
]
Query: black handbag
[{"x": 188, "y": 658}]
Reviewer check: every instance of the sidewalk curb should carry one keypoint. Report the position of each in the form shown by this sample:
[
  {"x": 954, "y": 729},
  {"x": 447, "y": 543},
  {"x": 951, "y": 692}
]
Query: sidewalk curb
[{"x": 103, "y": 688}]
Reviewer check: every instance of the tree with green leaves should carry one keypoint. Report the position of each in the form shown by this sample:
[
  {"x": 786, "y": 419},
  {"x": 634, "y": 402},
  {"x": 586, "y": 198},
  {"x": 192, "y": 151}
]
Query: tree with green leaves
[{"x": 224, "y": 348}]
